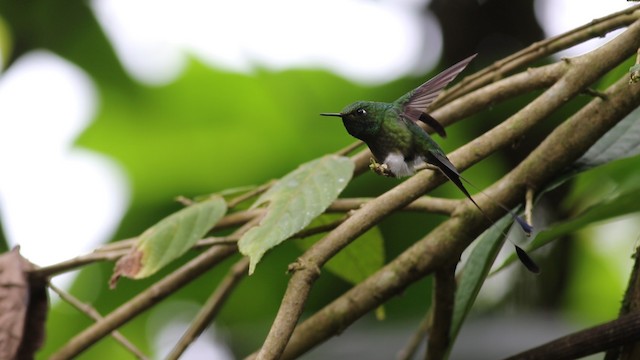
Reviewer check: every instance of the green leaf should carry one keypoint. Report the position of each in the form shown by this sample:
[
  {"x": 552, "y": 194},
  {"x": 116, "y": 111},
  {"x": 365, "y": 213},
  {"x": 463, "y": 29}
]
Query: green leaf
[
  {"x": 294, "y": 202},
  {"x": 6, "y": 44},
  {"x": 363, "y": 257},
  {"x": 622, "y": 141},
  {"x": 358, "y": 260},
  {"x": 475, "y": 272},
  {"x": 169, "y": 239}
]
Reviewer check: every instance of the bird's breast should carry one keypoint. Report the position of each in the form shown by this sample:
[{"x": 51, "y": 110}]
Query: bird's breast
[{"x": 397, "y": 165}]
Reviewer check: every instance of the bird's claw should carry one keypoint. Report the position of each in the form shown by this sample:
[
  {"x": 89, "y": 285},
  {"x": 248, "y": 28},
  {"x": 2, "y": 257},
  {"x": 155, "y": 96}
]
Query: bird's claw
[{"x": 380, "y": 169}]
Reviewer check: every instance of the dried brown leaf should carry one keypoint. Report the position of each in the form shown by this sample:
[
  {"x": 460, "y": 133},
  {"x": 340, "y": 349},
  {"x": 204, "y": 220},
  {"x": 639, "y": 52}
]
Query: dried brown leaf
[
  {"x": 128, "y": 265},
  {"x": 23, "y": 307}
]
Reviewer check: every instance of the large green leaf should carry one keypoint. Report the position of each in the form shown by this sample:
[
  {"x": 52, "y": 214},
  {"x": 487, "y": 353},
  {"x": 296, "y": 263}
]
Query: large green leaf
[
  {"x": 294, "y": 201},
  {"x": 475, "y": 272},
  {"x": 170, "y": 238},
  {"x": 358, "y": 260},
  {"x": 361, "y": 258},
  {"x": 622, "y": 141}
]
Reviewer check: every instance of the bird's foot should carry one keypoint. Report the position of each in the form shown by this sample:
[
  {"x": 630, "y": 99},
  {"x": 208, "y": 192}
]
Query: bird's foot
[{"x": 380, "y": 169}]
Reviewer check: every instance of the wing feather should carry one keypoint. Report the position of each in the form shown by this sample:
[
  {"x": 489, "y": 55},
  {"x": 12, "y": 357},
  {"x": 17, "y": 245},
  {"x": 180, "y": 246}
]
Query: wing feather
[
  {"x": 420, "y": 98},
  {"x": 416, "y": 102}
]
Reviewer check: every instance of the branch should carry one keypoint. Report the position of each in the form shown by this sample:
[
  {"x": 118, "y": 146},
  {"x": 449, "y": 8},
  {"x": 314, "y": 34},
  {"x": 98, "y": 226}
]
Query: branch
[
  {"x": 630, "y": 305},
  {"x": 72, "y": 264},
  {"x": 443, "y": 301},
  {"x": 621, "y": 331},
  {"x": 113, "y": 251},
  {"x": 594, "y": 29},
  {"x": 211, "y": 308},
  {"x": 163, "y": 288},
  {"x": 95, "y": 315},
  {"x": 447, "y": 112},
  {"x": 561, "y": 148},
  {"x": 409, "y": 350}
]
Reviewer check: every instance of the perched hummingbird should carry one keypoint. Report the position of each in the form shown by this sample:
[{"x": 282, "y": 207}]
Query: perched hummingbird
[{"x": 395, "y": 139}]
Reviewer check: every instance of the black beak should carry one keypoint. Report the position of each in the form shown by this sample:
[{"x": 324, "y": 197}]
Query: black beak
[{"x": 331, "y": 114}]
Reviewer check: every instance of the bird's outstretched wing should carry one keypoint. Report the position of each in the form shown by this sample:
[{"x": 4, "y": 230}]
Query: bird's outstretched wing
[{"x": 415, "y": 103}]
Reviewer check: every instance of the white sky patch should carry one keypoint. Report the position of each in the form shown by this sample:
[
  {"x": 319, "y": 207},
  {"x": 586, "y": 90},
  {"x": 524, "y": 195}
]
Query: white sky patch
[
  {"x": 557, "y": 17},
  {"x": 362, "y": 40},
  {"x": 56, "y": 201},
  {"x": 615, "y": 240}
]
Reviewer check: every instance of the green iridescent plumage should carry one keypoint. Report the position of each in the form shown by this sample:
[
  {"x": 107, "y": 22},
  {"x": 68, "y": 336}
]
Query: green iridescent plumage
[{"x": 400, "y": 146}]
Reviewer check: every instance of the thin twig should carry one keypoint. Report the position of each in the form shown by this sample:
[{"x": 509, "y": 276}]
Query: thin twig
[
  {"x": 317, "y": 229},
  {"x": 73, "y": 264},
  {"x": 418, "y": 337},
  {"x": 594, "y": 29},
  {"x": 249, "y": 194},
  {"x": 216, "y": 241},
  {"x": 161, "y": 289},
  {"x": 350, "y": 148},
  {"x": 113, "y": 251},
  {"x": 211, "y": 307},
  {"x": 528, "y": 207},
  {"x": 123, "y": 244},
  {"x": 473, "y": 83},
  {"x": 95, "y": 315}
]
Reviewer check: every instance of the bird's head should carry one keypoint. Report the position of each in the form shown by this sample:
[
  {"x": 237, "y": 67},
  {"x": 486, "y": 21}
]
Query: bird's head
[{"x": 362, "y": 119}]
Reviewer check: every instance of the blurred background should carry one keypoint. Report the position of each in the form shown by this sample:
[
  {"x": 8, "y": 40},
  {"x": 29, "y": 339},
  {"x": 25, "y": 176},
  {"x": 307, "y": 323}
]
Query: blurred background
[{"x": 110, "y": 109}]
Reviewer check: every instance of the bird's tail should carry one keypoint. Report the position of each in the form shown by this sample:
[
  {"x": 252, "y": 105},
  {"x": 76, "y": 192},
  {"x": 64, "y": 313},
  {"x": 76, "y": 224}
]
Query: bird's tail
[
  {"x": 452, "y": 174},
  {"x": 525, "y": 259}
]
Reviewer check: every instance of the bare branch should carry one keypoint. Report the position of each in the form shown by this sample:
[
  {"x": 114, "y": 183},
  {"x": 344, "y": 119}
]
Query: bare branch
[
  {"x": 248, "y": 195},
  {"x": 618, "y": 332},
  {"x": 594, "y": 29},
  {"x": 630, "y": 305},
  {"x": 95, "y": 315},
  {"x": 417, "y": 338},
  {"x": 443, "y": 301},
  {"x": 211, "y": 308},
  {"x": 163, "y": 288}
]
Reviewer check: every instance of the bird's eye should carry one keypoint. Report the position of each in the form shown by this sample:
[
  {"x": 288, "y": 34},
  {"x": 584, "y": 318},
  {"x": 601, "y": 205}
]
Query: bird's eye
[{"x": 361, "y": 112}]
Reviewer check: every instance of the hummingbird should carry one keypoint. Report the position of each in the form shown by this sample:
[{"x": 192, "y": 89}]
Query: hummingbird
[{"x": 401, "y": 147}]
